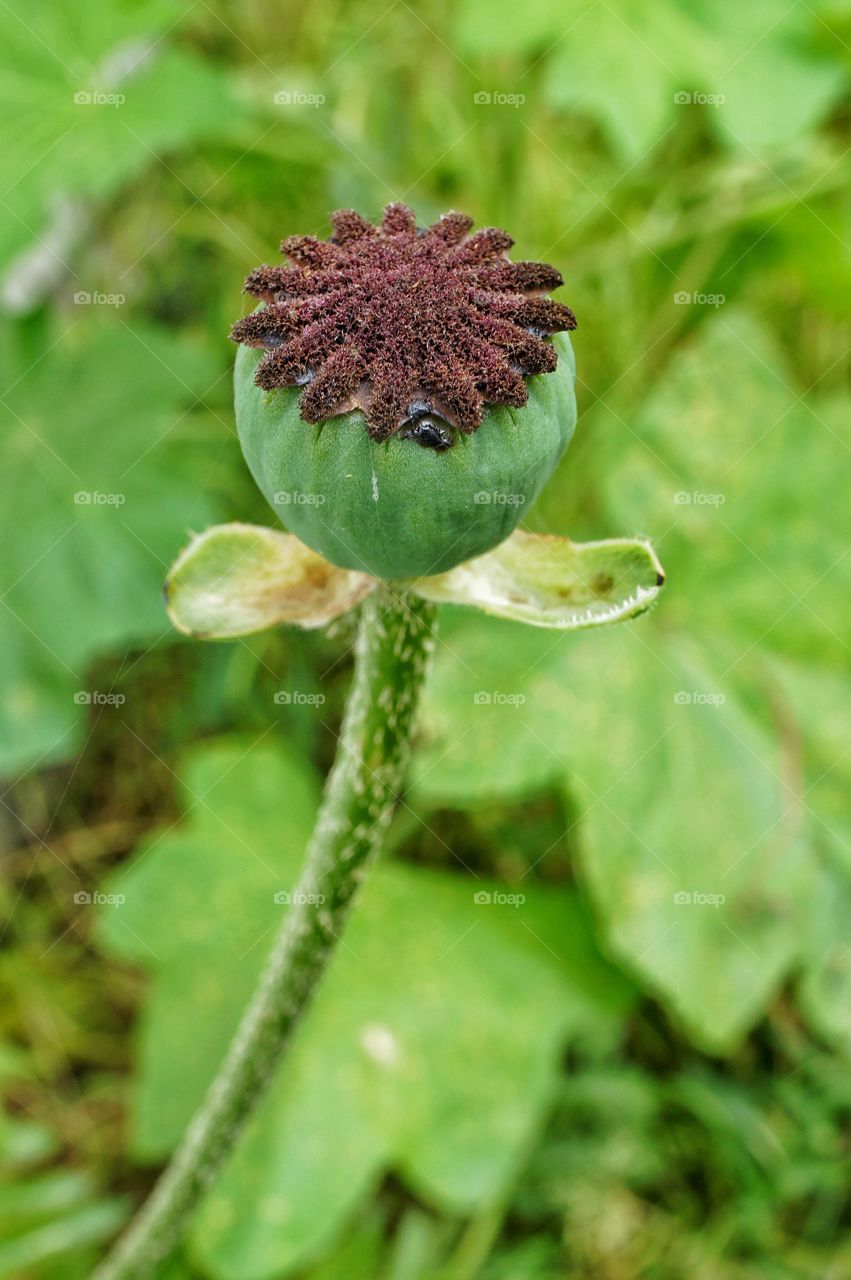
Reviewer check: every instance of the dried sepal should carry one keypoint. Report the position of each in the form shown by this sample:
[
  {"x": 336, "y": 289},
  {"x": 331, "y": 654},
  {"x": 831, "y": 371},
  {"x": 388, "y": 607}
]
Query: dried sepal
[
  {"x": 553, "y": 582},
  {"x": 235, "y": 579}
]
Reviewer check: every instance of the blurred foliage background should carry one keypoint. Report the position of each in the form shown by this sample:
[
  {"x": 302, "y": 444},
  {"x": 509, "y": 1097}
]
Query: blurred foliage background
[{"x": 593, "y": 1018}]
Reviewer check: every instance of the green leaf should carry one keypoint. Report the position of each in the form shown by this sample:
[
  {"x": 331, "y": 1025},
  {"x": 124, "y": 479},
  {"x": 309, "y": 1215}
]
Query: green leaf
[
  {"x": 773, "y": 83},
  {"x": 815, "y": 703},
  {"x": 553, "y": 582},
  {"x": 624, "y": 63},
  {"x": 235, "y": 579},
  {"x": 22, "y": 1202},
  {"x": 638, "y": 66},
  {"x": 677, "y": 793},
  {"x": 23, "y": 1141},
  {"x": 679, "y": 736},
  {"x": 724, "y": 467},
  {"x": 491, "y": 680},
  {"x": 243, "y": 843},
  {"x": 437, "y": 1005},
  {"x": 96, "y": 102},
  {"x": 824, "y": 988},
  {"x": 62, "y": 1237},
  {"x": 499, "y": 26},
  {"x": 620, "y": 62},
  {"x": 96, "y": 493}
]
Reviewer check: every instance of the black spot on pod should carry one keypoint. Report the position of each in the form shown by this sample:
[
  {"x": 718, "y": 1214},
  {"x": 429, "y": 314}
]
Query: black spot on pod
[{"x": 430, "y": 433}]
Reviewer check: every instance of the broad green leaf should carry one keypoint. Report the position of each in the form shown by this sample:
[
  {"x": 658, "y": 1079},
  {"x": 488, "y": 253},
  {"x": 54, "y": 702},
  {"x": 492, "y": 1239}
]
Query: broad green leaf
[
  {"x": 249, "y": 815},
  {"x": 553, "y": 582},
  {"x": 620, "y": 62},
  {"x": 431, "y": 1048},
  {"x": 96, "y": 101},
  {"x": 492, "y": 716},
  {"x": 98, "y": 489},
  {"x": 677, "y": 794},
  {"x": 816, "y": 706},
  {"x": 773, "y": 82},
  {"x": 624, "y": 64},
  {"x": 674, "y": 734},
  {"x": 235, "y": 579},
  {"x": 726, "y": 468},
  {"x": 753, "y": 499},
  {"x": 816, "y": 701},
  {"x": 639, "y": 66},
  {"x": 824, "y": 988},
  {"x": 358, "y": 1255}
]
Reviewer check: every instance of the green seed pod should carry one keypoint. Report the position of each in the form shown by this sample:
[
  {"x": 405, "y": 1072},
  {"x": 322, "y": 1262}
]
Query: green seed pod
[{"x": 399, "y": 400}]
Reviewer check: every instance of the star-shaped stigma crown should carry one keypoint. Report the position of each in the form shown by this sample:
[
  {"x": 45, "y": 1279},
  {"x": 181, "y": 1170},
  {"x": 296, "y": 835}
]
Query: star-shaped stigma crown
[{"x": 404, "y": 322}]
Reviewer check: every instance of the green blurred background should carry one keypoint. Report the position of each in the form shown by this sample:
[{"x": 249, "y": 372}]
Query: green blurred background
[{"x": 593, "y": 1017}]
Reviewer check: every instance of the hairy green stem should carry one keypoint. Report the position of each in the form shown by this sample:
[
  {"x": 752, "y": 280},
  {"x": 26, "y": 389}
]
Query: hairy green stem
[{"x": 391, "y": 655}]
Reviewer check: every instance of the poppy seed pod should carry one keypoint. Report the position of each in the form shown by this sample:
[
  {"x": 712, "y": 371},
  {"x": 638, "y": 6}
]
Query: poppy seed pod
[{"x": 401, "y": 398}]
